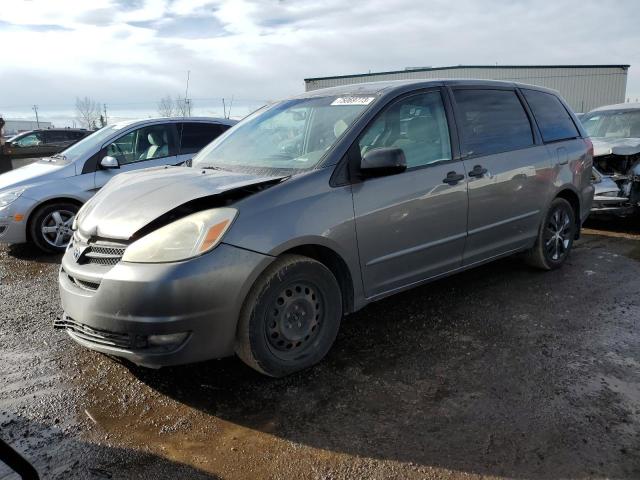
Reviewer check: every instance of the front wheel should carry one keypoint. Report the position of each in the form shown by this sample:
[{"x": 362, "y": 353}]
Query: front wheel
[
  {"x": 555, "y": 237},
  {"x": 51, "y": 226},
  {"x": 290, "y": 318}
]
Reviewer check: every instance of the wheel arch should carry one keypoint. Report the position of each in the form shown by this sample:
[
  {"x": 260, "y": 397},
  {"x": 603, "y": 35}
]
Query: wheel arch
[
  {"x": 336, "y": 264},
  {"x": 43, "y": 204}
]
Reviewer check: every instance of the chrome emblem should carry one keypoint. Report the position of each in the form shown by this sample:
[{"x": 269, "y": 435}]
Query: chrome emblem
[{"x": 77, "y": 252}]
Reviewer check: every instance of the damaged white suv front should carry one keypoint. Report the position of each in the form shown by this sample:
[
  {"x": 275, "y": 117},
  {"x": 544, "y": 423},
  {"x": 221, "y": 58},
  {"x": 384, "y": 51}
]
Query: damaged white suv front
[{"x": 615, "y": 133}]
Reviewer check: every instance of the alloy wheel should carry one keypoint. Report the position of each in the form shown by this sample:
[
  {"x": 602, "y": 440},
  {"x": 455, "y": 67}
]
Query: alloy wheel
[
  {"x": 558, "y": 235},
  {"x": 56, "y": 228}
]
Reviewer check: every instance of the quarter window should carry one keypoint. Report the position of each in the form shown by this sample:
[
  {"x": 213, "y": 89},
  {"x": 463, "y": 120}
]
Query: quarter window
[
  {"x": 57, "y": 137},
  {"x": 417, "y": 125},
  {"x": 492, "y": 121},
  {"x": 194, "y": 136},
  {"x": 147, "y": 143},
  {"x": 552, "y": 117}
]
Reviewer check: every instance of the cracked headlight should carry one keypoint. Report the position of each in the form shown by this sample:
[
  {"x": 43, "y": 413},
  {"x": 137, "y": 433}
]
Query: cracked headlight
[
  {"x": 9, "y": 197},
  {"x": 188, "y": 237}
]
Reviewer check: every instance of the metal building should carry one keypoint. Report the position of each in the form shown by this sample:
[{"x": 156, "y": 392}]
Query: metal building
[
  {"x": 13, "y": 127},
  {"x": 583, "y": 86}
]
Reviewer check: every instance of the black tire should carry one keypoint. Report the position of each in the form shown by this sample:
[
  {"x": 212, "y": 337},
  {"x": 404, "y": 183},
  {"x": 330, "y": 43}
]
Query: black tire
[
  {"x": 45, "y": 217},
  {"x": 290, "y": 318},
  {"x": 555, "y": 238}
]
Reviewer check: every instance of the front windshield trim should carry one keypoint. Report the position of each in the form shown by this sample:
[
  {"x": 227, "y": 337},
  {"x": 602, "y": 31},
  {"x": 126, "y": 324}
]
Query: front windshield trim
[{"x": 264, "y": 140}]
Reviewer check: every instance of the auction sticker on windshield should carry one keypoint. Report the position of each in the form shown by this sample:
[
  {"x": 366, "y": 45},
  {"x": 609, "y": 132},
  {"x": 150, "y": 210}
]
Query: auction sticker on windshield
[{"x": 353, "y": 101}]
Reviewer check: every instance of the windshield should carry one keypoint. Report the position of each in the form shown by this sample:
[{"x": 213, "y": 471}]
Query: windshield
[
  {"x": 87, "y": 145},
  {"x": 613, "y": 124},
  {"x": 287, "y": 137}
]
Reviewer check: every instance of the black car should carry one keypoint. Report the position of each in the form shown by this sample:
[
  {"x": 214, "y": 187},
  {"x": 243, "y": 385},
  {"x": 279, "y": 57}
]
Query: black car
[{"x": 42, "y": 143}]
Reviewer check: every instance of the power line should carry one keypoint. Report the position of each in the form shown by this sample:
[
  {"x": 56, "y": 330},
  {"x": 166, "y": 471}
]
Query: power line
[{"x": 147, "y": 102}]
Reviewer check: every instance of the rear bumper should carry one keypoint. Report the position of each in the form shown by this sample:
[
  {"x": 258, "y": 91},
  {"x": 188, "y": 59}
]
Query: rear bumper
[{"x": 114, "y": 311}]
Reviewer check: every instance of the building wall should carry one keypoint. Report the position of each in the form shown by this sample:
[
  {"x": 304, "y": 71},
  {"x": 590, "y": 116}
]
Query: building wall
[
  {"x": 584, "y": 87},
  {"x": 13, "y": 127}
]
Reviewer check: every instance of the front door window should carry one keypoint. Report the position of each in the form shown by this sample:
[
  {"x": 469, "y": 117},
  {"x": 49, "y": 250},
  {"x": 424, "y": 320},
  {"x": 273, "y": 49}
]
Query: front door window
[
  {"x": 32, "y": 140},
  {"x": 147, "y": 143}
]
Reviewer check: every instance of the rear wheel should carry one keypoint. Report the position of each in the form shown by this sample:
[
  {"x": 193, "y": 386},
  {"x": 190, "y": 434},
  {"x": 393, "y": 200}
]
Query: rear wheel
[
  {"x": 555, "y": 237},
  {"x": 51, "y": 226},
  {"x": 290, "y": 318}
]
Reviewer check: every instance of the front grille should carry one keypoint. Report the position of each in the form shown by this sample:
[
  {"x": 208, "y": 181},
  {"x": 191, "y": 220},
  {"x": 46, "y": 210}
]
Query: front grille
[
  {"x": 94, "y": 335},
  {"x": 2, "y": 229},
  {"x": 103, "y": 254},
  {"x": 84, "y": 284}
]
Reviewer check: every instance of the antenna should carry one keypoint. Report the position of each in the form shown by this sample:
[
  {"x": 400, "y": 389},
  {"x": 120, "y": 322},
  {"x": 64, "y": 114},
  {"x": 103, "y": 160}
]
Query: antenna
[
  {"x": 187, "y": 104},
  {"x": 186, "y": 95}
]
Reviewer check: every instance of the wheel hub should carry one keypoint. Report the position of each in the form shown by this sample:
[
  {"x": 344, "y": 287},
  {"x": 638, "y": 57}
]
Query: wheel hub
[
  {"x": 56, "y": 228},
  {"x": 295, "y": 318}
]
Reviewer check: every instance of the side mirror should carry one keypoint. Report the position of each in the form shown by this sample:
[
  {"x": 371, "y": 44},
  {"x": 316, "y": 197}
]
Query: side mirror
[
  {"x": 383, "y": 161},
  {"x": 109, "y": 162}
]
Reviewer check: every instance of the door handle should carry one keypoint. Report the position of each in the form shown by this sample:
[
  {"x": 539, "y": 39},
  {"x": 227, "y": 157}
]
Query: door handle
[
  {"x": 452, "y": 178},
  {"x": 478, "y": 171}
]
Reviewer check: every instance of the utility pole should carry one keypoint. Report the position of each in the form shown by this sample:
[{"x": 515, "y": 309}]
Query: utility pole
[
  {"x": 224, "y": 109},
  {"x": 106, "y": 121},
  {"x": 35, "y": 109}
]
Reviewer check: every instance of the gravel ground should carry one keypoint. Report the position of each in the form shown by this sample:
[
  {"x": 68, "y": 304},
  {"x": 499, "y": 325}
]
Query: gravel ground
[{"x": 501, "y": 371}]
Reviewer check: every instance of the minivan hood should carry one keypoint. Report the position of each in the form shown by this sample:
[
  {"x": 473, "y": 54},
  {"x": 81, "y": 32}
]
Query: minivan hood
[
  {"x": 31, "y": 174},
  {"x": 615, "y": 146},
  {"x": 132, "y": 200}
]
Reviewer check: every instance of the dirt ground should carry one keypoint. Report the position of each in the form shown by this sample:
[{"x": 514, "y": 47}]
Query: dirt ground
[{"x": 502, "y": 371}]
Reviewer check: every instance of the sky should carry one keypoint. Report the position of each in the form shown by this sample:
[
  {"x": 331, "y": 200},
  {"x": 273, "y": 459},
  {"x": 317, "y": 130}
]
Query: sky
[{"x": 128, "y": 54}]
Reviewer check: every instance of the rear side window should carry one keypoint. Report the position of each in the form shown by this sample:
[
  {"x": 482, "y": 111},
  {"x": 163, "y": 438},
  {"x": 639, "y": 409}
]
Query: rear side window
[
  {"x": 54, "y": 136},
  {"x": 196, "y": 135},
  {"x": 554, "y": 121},
  {"x": 492, "y": 121}
]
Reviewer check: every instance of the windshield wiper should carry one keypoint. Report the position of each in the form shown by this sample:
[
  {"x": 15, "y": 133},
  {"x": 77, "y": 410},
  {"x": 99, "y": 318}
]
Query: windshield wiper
[
  {"x": 59, "y": 155},
  {"x": 211, "y": 167}
]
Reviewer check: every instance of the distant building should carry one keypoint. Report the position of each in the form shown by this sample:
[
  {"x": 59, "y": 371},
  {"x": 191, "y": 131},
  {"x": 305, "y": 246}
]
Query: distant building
[
  {"x": 585, "y": 87},
  {"x": 13, "y": 127}
]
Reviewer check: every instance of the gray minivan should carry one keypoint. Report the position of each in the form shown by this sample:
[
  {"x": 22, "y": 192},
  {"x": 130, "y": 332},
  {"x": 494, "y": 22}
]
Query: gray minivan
[{"x": 313, "y": 207}]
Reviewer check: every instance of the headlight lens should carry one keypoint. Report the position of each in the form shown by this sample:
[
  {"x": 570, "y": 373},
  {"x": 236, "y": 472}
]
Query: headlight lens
[
  {"x": 9, "y": 197},
  {"x": 188, "y": 237}
]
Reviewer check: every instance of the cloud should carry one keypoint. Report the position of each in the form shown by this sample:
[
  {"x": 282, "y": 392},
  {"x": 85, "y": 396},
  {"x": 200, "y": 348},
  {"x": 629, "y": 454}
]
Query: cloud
[{"x": 135, "y": 51}]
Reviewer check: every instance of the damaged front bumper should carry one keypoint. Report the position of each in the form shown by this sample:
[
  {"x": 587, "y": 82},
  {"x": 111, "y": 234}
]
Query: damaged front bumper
[{"x": 617, "y": 195}]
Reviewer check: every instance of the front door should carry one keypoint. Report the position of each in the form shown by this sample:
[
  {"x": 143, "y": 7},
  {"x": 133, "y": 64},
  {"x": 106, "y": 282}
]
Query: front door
[
  {"x": 411, "y": 226},
  {"x": 144, "y": 147},
  {"x": 29, "y": 146},
  {"x": 507, "y": 169}
]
